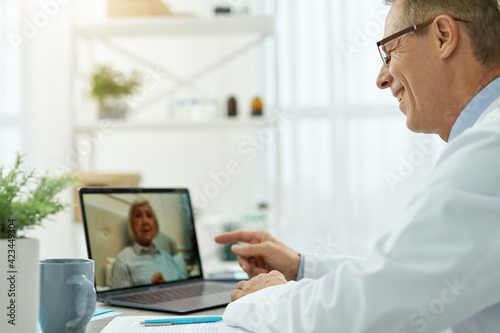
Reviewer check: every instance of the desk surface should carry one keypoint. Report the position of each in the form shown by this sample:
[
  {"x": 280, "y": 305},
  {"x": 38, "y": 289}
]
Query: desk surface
[{"x": 97, "y": 325}]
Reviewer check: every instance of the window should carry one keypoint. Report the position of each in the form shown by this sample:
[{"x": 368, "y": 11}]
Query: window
[
  {"x": 10, "y": 84},
  {"x": 348, "y": 136}
]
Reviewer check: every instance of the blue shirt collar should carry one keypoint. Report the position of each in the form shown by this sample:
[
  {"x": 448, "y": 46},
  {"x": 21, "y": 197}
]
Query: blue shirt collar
[
  {"x": 139, "y": 249},
  {"x": 475, "y": 108}
]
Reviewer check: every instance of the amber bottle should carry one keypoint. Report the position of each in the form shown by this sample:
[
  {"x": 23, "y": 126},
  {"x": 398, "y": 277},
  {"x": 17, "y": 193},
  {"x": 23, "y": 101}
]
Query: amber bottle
[
  {"x": 232, "y": 107},
  {"x": 257, "y": 107}
]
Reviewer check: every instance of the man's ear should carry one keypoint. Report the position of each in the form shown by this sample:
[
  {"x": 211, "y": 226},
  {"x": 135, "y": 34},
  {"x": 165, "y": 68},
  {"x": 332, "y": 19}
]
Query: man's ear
[{"x": 445, "y": 31}]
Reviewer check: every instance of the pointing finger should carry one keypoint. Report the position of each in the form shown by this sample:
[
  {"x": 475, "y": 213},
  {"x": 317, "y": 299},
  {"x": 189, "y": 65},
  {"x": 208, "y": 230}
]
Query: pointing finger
[
  {"x": 241, "y": 236},
  {"x": 251, "y": 250}
]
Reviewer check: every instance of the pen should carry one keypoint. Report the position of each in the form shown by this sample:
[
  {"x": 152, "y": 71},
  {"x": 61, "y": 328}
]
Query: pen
[{"x": 180, "y": 321}]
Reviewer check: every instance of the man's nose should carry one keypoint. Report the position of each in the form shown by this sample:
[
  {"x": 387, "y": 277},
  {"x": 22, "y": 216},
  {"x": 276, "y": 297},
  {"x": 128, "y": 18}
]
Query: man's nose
[{"x": 384, "y": 78}]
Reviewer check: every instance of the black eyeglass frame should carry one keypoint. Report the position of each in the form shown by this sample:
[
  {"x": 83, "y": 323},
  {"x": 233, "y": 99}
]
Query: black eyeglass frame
[{"x": 386, "y": 59}]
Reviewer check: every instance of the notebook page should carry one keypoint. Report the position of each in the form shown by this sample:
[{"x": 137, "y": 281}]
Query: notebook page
[{"x": 132, "y": 325}]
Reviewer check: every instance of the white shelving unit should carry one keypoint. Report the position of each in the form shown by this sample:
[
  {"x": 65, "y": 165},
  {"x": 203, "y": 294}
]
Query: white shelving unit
[
  {"x": 261, "y": 28},
  {"x": 214, "y": 124},
  {"x": 165, "y": 26}
]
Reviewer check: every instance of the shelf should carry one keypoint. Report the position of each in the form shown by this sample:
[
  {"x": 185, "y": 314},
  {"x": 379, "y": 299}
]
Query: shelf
[
  {"x": 215, "y": 124},
  {"x": 164, "y": 26}
]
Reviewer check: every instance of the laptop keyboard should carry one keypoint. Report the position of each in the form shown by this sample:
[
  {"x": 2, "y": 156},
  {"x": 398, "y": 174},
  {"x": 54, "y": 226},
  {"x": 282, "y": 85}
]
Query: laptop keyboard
[{"x": 174, "y": 293}]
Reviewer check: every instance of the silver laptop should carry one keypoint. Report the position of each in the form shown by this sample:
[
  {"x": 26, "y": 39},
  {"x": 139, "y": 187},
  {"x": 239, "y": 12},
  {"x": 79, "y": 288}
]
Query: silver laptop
[{"x": 143, "y": 242}]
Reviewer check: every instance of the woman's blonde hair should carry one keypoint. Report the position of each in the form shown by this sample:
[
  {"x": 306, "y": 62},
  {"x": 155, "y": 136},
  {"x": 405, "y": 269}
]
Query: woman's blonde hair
[{"x": 131, "y": 211}]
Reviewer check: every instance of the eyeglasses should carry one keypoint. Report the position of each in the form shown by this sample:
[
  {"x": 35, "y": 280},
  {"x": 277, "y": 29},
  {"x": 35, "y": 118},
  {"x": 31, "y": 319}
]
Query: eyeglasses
[{"x": 386, "y": 58}]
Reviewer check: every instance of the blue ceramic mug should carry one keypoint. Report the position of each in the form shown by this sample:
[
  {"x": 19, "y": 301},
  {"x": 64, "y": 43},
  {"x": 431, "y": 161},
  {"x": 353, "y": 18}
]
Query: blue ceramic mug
[{"x": 67, "y": 295}]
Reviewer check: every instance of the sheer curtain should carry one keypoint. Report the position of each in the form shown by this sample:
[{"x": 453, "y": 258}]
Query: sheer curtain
[
  {"x": 10, "y": 76},
  {"x": 35, "y": 57},
  {"x": 349, "y": 164}
]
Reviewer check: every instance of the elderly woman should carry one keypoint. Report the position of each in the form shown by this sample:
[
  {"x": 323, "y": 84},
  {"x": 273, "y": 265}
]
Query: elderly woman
[{"x": 144, "y": 263}]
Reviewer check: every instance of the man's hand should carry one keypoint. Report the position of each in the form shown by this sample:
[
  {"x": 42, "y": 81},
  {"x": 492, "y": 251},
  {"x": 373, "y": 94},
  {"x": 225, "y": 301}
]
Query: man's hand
[
  {"x": 157, "y": 278},
  {"x": 257, "y": 283},
  {"x": 263, "y": 254}
]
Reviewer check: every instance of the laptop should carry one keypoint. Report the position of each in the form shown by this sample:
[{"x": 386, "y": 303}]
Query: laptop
[{"x": 143, "y": 242}]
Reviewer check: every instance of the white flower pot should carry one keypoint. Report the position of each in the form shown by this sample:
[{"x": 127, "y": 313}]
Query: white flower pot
[{"x": 19, "y": 285}]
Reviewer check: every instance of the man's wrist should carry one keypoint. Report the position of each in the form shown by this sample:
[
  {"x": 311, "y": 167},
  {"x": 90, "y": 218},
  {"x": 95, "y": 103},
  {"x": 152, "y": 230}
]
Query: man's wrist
[{"x": 300, "y": 273}]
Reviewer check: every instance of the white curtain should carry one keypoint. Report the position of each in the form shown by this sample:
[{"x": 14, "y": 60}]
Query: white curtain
[
  {"x": 10, "y": 84},
  {"x": 349, "y": 164},
  {"x": 35, "y": 113}
]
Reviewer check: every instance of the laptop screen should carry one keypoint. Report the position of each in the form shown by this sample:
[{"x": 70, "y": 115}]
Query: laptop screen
[{"x": 139, "y": 236}]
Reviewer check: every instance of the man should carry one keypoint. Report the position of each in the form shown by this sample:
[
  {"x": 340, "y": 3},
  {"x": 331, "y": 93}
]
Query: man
[{"x": 441, "y": 267}]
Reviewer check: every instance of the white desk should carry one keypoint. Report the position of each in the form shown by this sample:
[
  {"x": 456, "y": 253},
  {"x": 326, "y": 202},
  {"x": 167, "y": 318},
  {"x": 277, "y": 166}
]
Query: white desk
[{"x": 98, "y": 325}]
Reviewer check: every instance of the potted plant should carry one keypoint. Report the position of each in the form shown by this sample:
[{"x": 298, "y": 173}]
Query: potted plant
[
  {"x": 110, "y": 88},
  {"x": 26, "y": 200}
]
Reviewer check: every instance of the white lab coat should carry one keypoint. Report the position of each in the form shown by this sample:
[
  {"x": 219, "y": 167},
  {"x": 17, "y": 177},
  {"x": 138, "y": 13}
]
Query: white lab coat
[{"x": 439, "y": 269}]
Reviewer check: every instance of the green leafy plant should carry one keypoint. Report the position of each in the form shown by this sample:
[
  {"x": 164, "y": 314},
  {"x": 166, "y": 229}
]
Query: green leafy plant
[
  {"x": 28, "y": 198},
  {"x": 109, "y": 84}
]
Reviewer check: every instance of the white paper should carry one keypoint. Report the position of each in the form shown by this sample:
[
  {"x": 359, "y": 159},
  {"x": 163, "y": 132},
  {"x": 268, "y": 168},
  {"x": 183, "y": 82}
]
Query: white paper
[
  {"x": 105, "y": 315},
  {"x": 132, "y": 325}
]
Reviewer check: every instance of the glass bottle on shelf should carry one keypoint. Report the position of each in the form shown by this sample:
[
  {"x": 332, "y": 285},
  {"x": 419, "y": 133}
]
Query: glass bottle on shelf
[
  {"x": 257, "y": 107},
  {"x": 212, "y": 109},
  {"x": 196, "y": 110},
  {"x": 179, "y": 110},
  {"x": 232, "y": 107}
]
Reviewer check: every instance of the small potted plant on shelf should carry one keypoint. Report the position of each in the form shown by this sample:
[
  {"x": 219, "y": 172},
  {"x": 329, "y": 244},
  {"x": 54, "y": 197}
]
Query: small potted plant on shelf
[
  {"x": 26, "y": 200},
  {"x": 111, "y": 88}
]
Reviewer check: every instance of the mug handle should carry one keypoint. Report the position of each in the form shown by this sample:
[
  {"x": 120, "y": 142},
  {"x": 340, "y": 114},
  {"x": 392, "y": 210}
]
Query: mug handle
[{"x": 82, "y": 282}]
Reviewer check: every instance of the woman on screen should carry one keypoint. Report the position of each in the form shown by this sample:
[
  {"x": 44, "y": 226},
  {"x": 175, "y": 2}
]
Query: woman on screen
[{"x": 144, "y": 263}]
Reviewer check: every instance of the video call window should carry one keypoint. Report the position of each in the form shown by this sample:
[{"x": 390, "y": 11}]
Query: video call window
[{"x": 140, "y": 238}]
